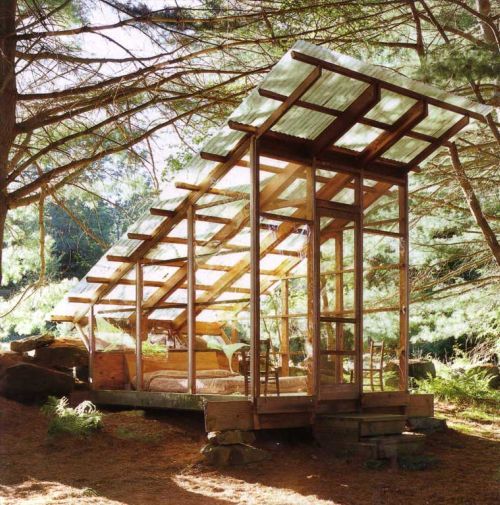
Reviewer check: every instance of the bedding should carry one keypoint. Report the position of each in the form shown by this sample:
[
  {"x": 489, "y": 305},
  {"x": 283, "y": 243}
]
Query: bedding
[{"x": 221, "y": 382}]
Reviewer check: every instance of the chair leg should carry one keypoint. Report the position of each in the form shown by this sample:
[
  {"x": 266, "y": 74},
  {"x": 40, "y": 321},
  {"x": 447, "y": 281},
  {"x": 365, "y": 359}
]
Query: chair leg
[
  {"x": 381, "y": 375},
  {"x": 372, "y": 385},
  {"x": 277, "y": 382}
]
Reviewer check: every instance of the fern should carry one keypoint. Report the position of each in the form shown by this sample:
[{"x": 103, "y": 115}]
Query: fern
[
  {"x": 80, "y": 421},
  {"x": 464, "y": 388}
]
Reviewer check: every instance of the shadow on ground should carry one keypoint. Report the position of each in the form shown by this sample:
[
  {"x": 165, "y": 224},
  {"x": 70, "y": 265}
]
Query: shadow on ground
[{"x": 155, "y": 459}]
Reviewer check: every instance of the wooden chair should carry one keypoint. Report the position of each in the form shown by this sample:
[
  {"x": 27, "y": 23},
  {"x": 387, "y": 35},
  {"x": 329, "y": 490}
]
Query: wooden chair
[
  {"x": 375, "y": 367},
  {"x": 268, "y": 372}
]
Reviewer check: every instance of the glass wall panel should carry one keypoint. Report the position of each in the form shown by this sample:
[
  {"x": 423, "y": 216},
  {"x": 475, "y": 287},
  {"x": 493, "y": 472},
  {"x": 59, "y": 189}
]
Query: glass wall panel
[{"x": 382, "y": 288}]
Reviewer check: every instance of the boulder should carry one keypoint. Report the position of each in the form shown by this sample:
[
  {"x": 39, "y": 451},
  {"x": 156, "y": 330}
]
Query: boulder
[
  {"x": 421, "y": 368},
  {"x": 426, "y": 424},
  {"x": 236, "y": 454},
  {"x": 231, "y": 437},
  {"x": 418, "y": 369},
  {"x": 490, "y": 370},
  {"x": 63, "y": 353},
  {"x": 9, "y": 358},
  {"x": 31, "y": 343},
  {"x": 25, "y": 382}
]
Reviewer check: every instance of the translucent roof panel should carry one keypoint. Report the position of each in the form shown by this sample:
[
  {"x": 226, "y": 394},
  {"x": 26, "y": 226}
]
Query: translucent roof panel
[
  {"x": 345, "y": 91},
  {"x": 303, "y": 123},
  {"x": 405, "y": 149},
  {"x": 358, "y": 137},
  {"x": 438, "y": 120},
  {"x": 221, "y": 193},
  {"x": 391, "y": 107}
]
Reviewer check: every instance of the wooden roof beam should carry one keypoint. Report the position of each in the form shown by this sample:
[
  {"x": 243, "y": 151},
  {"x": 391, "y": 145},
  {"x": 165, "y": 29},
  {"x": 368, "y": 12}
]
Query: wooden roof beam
[
  {"x": 335, "y": 112},
  {"x": 332, "y": 67},
  {"x": 448, "y": 134},
  {"x": 400, "y": 128},
  {"x": 359, "y": 107}
]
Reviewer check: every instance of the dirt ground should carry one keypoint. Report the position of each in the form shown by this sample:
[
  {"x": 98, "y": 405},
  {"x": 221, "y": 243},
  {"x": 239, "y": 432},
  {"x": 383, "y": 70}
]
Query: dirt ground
[{"x": 151, "y": 460}]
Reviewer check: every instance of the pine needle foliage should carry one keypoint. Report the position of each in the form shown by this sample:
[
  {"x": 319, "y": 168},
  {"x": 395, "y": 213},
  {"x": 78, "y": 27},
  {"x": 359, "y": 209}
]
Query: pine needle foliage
[{"x": 79, "y": 421}]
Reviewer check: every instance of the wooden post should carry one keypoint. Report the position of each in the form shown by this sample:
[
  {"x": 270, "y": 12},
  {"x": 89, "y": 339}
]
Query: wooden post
[
  {"x": 254, "y": 270},
  {"x": 138, "y": 326},
  {"x": 91, "y": 346},
  {"x": 313, "y": 281},
  {"x": 404, "y": 286},
  {"x": 339, "y": 305},
  {"x": 285, "y": 329},
  {"x": 191, "y": 285},
  {"x": 358, "y": 282}
]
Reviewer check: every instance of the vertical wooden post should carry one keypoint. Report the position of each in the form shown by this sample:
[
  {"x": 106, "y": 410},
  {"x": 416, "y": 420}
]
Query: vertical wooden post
[
  {"x": 358, "y": 282},
  {"x": 313, "y": 281},
  {"x": 285, "y": 329},
  {"x": 191, "y": 282},
  {"x": 404, "y": 286},
  {"x": 339, "y": 305},
  {"x": 91, "y": 346},
  {"x": 138, "y": 325},
  {"x": 254, "y": 269}
]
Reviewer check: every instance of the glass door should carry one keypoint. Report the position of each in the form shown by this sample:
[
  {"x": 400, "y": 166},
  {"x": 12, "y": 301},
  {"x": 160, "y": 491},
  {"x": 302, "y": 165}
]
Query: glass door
[{"x": 338, "y": 291}]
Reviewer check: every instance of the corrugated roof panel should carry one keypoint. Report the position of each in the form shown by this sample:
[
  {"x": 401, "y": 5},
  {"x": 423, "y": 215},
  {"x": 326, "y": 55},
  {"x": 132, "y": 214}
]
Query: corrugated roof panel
[
  {"x": 437, "y": 121},
  {"x": 254, "y": 110},
  {"x": 286, "y": 75},
  {"x": 167, "y": 251},
  {"x": 334, "y": 91},
  {"x": 358, "y": 137},
  {"x": 124, "y": 247},
  {"x": 147, "y": 224},
  {"x": 224, "y": 141},
  {"x": 303, "y": 123},
  {"x": 391, "y": 107},
  {"x": 389, "y": 76},
  {"x": 405, "y": 149}
]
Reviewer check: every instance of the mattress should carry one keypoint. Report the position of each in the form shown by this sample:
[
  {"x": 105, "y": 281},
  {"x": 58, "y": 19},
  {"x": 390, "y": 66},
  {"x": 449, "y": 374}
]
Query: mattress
[{"x": 221, "y": 382}]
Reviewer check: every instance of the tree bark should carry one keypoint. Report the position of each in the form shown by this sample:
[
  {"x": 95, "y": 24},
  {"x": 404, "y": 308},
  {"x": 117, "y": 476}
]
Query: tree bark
[
  {"x": 7, "y": 103},
  {"x": 474, "y": 205}
]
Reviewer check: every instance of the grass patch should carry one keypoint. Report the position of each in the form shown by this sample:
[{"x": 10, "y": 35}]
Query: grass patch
[{"x": 79, "y": 421}]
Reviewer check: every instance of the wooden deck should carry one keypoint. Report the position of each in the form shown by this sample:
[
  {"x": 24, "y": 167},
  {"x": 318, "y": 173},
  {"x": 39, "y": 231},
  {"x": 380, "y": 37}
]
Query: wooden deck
[{"x": 226, "y": 412}]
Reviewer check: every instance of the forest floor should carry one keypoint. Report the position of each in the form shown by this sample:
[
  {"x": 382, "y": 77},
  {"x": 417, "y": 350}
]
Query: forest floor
[{"x": 155, "y": 459}]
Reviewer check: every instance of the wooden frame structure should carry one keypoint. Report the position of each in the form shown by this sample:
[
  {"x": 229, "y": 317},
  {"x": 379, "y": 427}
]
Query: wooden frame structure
[{"x": 286, "y": 194}]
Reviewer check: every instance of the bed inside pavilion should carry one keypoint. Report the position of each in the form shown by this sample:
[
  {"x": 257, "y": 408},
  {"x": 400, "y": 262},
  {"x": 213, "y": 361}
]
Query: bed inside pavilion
[{"x": 272, "y": 277}]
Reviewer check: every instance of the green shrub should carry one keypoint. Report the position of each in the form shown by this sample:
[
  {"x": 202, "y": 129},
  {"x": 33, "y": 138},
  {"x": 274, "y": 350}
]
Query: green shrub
[
  {"x": 80, "y": 421},
  {"x": 463, "y": 387}
]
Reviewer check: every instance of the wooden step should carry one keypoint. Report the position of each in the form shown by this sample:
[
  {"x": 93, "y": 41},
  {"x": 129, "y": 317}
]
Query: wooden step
[
  {"x": 392, "y": 446},
  {"x": 356, "y": 426}
]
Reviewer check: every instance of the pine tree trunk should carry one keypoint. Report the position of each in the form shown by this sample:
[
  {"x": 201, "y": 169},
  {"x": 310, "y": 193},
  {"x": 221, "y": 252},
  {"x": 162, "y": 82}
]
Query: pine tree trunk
[
  {"x": 474, "y": 205},
  {"x": 8, "y": 95}
]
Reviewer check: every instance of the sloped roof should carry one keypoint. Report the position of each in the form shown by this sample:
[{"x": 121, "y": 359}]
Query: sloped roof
[{"x": 314, "y": 102}]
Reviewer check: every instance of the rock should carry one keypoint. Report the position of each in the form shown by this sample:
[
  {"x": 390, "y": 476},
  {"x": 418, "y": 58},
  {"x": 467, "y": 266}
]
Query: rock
[
  {"x": 63, "y": 353},
  {"x": 25, "y": 382},
  {"x": 9, "y": 358},
  {"x": 421, "y": 368},
  {"x": 418, "y": 369},
  {"x": 426, "y": 424},
  {"x": 236, "y": 454},
  {"x": 490, "y": 370},
  {"x": 31, "y": 343},
  {"x": 231, "y": 437}
]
